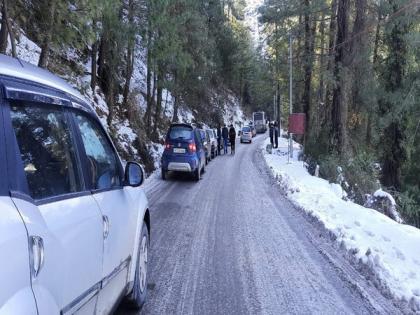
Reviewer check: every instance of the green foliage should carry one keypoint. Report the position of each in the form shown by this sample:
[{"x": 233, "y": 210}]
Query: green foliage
[
  {"x": 360, "y": 174},
  {"x": 409, "y": 202}
]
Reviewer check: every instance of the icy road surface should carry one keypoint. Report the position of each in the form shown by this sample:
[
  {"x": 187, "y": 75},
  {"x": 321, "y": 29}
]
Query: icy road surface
[{"x": 233, "y": 244}]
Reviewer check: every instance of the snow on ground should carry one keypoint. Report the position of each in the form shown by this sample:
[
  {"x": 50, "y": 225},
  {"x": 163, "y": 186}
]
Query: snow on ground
[
  {"x": 156, "y": 151},
  {"x": 26, "y": 49},
  {"x": 389, "y": 249},
  {"x": 233, "y": 113}
]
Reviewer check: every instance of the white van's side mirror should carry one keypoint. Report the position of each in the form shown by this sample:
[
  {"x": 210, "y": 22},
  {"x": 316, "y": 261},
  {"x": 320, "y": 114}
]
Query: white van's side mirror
[{"x": 133, "y": 174}]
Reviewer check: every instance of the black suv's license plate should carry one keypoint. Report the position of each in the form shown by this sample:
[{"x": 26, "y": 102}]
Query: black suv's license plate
[{"x": 179, "y": 150}]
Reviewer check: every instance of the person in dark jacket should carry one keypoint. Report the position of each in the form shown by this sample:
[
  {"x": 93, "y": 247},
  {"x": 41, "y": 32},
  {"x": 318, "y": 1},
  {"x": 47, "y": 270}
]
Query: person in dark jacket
[
  {"x": 232, "y": 138},
  {"x": 276, "y": 134},
  {"x": 271, "y": 132},
  {"x": 225, "y": 135},
  {"x": 219, "y": 139}
]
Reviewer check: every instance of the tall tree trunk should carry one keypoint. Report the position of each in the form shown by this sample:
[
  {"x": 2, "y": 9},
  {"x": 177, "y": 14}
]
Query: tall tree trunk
[
  {"x": 94, "y": 66},
  {"x": 339, "y": 104},
  {"x": 130, "y": 53},
  {"x": 106, "y": 72},
  {"x": 360, "y": 71},
  {"x": 374, "y": 64},
  {"x": 103, "y": 62},
  {"x": 277, "y": 76},
  {"x": 6, "y": 29},
  {"x": 297, "y": 69},
  {"x": 321, "y": 87},
  {"x": 176, "y": 98},
  {"x": 159, "y": 90},
  {"x": 93, "y": 60},
  {"x": 154, "y": 86},
  {"x": 149, "y": 99},
  {"x": 3, "y": 30},
  {"x": 394, "y": 154},
  {"x": 129, "y": 74},
  {"x": 308, "y": 60},
  {"x": 47, "y": 37},
  {"x": 11, "y": 32},
  {"x": 377, "y": 37},
  {"x": 175, "y": 114},
  {"x": 331, "y": 53},
  {"x": 45, "y": 50},
  {"x": 110, "y": 102}
]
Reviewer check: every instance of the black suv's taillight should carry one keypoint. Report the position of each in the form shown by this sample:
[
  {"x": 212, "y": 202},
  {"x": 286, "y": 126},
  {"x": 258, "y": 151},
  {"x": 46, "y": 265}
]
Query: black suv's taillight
[{"x": 192, "y": 147}]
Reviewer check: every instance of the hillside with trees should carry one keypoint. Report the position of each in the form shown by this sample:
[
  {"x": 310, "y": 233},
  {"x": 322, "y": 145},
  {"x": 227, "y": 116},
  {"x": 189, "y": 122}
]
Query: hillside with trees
[
  {"x": 135, "y": 59},
  {"x": 357, "y": 79}
]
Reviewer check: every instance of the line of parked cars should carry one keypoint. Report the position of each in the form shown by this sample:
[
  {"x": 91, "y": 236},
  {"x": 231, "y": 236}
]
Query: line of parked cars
[{"x": 188, "y": 149}]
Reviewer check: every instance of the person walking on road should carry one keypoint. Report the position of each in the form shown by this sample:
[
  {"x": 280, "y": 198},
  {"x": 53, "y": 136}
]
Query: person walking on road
[
  {"x": 225, "y": 135},
  {"x": 219, "y": 139},
  {"x": 232, "y": 138},
  {"x": 276, "y": 134},
  {"x": 271, "y": 132}
]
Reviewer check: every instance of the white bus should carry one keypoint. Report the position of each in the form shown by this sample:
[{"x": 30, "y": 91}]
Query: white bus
[{"x": 259, "y": 122}]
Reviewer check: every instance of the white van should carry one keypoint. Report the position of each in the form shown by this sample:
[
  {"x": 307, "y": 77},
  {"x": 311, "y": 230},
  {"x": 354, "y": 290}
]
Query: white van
[{"x": 74, "y": 224}]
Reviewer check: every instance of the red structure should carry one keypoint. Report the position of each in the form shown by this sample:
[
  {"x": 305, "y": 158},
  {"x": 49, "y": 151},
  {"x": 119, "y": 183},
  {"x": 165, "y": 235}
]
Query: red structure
[{"x": 297, "y": 123}]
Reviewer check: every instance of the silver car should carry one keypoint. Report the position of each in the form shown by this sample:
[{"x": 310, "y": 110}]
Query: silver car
[
  {"x": 213, "y": 142},
  {"x": 246, "y": 134},
  {"x": 74, "y": 224}
]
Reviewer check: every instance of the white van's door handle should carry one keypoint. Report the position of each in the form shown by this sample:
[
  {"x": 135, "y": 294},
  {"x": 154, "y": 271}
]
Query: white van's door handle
[
  {"x": 36, "y": 254},
  {"x": 106, "y": 226}
]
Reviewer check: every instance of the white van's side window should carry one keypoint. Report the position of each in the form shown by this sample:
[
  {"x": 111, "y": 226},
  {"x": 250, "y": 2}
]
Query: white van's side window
[
  {"x": 103, "y": 166},
  {"x": 47, "y": 150}
]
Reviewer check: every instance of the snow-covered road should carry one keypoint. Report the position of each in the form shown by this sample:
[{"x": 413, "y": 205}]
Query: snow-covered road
[{"x": 233, "y": 244}]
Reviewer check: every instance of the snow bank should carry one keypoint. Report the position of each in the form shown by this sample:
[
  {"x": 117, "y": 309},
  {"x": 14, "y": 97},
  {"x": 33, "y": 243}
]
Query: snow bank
[
  {"x": 156, "y": 151},
  {"x": 26, "y": 49},
  {"x": 390, "y": 250},
  {"x": 232, "y": 113}
]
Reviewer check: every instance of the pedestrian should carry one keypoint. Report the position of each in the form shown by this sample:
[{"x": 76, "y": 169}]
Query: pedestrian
[
  {"x": 225, "y": 135},
  {"x": 232, "y": 139},
  {"x": 276, "y": 134},
  {"x": 219, "y": 139},
  {"x": 271, "y": 131}
]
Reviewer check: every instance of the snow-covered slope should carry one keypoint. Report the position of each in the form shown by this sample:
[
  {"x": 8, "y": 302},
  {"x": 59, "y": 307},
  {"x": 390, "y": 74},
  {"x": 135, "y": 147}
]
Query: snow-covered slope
[{"x": 390, "y": 250}]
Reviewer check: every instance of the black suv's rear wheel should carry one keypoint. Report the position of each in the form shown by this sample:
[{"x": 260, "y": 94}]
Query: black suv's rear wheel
[{"x": 137, "y": 297}]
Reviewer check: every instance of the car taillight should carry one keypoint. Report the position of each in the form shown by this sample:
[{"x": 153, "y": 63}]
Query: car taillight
[
  {"x": 192, "y": 147},
  {"x": 168, "y": 146}
]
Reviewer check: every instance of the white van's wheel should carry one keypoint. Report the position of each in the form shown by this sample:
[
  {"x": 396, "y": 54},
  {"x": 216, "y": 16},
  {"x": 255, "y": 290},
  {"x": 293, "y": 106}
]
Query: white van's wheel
[{"x": 137, "y": 297}]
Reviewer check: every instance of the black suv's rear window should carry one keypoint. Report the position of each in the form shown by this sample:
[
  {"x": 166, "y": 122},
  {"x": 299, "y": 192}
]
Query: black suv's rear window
[{"x": 180, "y": 133}]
